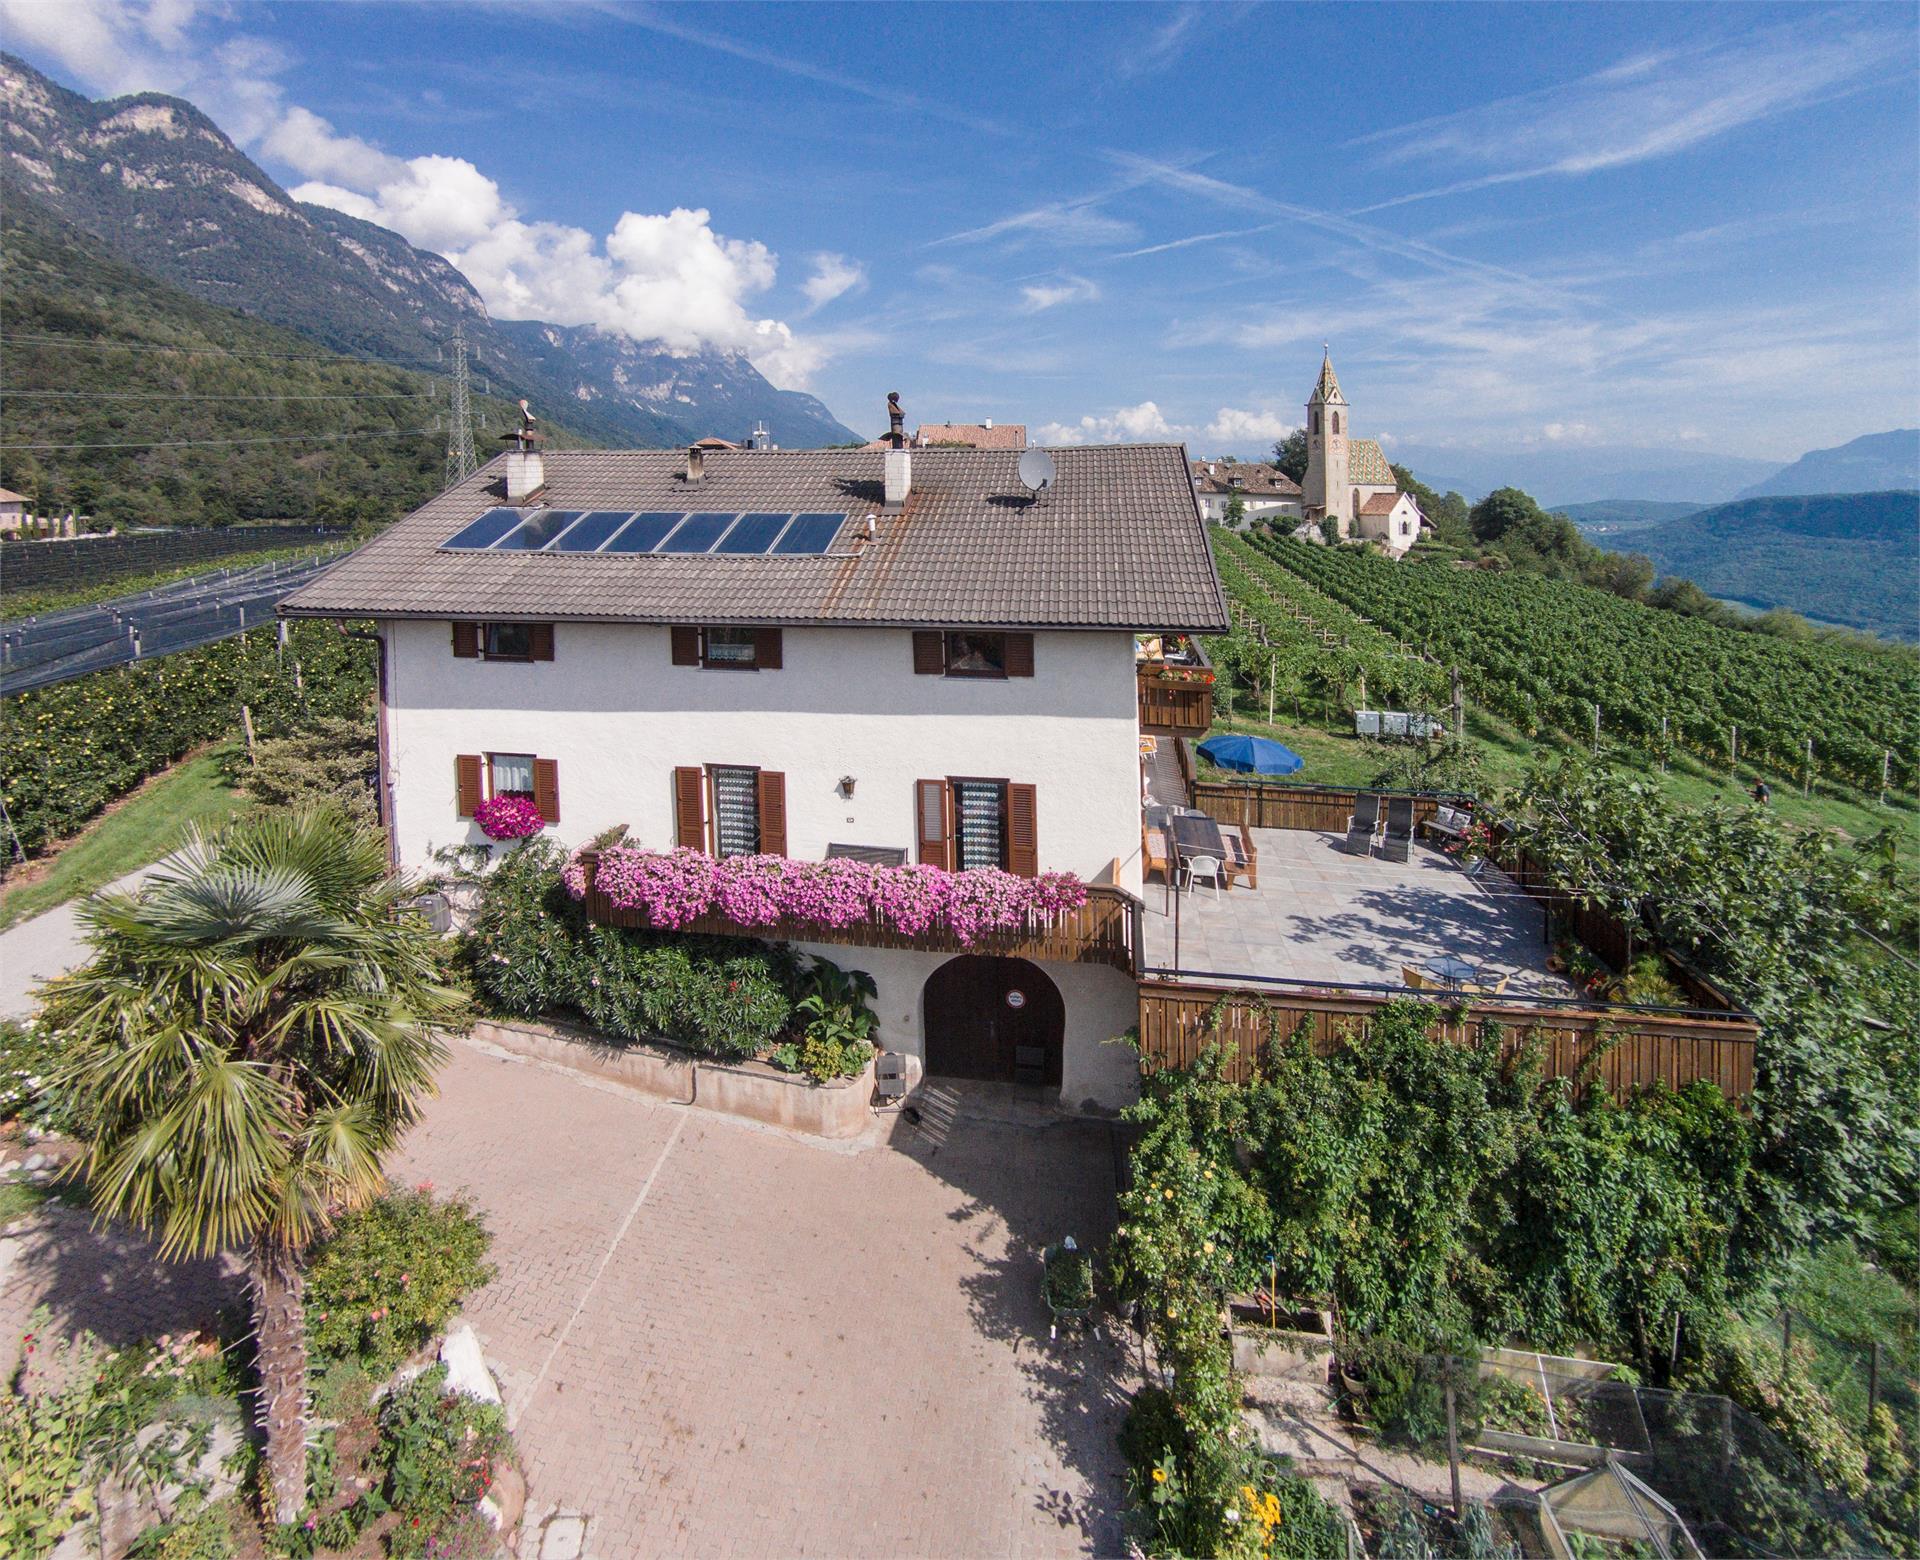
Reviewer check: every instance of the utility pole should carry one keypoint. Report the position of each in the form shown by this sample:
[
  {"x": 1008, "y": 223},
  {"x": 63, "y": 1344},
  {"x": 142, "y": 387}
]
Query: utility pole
[{"x": 461, "y": 462}]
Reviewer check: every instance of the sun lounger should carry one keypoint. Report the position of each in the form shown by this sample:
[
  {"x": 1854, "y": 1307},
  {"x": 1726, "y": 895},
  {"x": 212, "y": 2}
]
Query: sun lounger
[
  {"x": 1363, "y": 823},
  {"x": 1397, "y": 844}
]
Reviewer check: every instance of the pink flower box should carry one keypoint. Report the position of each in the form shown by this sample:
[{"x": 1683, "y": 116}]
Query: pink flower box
[{"x": 508, "y": 818}]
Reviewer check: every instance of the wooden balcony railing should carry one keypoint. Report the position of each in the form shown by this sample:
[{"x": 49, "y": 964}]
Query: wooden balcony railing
[
  {"x": 1184, "y": 709},
  {"x": 1105, "y": 930},
  {"x": 1625, "y": 1048}
]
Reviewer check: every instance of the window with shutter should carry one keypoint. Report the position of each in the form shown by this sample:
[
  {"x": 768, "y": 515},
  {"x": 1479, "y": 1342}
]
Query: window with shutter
[
  {"x": 929, "y": 652},
  {"x": 1019, "y": 655},
  {"x": 736, "y": 810},
  {"x": 689, "y": 809},
  {"x": 686, "y": 645},
  {"x": 509, "y": 641},
  {"x": 542, "y": 641},
  {"x": 510, "y": 774},
  {"x": 466, "y": 640},
  {"x": 979, "y": 824},
  {"x": 976, "y": 655}
]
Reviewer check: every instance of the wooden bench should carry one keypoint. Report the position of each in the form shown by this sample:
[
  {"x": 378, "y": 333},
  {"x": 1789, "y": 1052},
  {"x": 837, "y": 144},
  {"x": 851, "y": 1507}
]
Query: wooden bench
[
  {"x": 1243, "y": 860},
  {"x": 1153, "y": 853}
]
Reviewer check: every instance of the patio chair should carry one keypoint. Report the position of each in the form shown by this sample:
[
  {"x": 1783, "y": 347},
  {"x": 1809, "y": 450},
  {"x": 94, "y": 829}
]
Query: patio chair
[
  {"x": 1493, "y": 989},
  {"x": 890, "y": 1078},
  {"x": 1397, "y": 845},
  {"x": 1196, "y": 867},
  {"x": 1414, "y": 977},
  {"x": 1243, "y": 860},
  {"x": 1153, "y": 853},
  {"x": 1363, "y": 823}
]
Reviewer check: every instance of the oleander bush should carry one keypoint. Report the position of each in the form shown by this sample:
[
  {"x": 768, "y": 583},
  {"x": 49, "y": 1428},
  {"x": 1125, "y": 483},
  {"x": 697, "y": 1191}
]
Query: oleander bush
[
  {"x": 441, "y": 1452},
  {"x": 388, "y": 1277},
  {"x": 75, "y": 747}
]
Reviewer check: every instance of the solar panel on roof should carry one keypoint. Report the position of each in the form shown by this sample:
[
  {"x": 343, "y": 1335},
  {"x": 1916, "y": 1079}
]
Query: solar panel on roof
[
  {"x": 644, "y": 534},
  {"x": 753, "y": 533},
  {"x": 488, "y": 529},
  {"x": 696, "y": 534},
  {"x": 595, "y": 526},
  {"x": 813, "y": 533},
  {"x": 537, "y": 531}
]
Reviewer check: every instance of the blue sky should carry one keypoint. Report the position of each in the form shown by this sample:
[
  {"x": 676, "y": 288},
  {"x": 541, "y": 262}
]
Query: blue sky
[{"x": 1520, "y": 227}]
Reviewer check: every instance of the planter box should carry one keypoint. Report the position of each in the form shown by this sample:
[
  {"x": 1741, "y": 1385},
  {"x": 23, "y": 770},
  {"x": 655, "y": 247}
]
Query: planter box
[
  {"x": 1281, "y": 1354},
  {"x": 752, "y": 1090},
  {"x": 1541, "y": 1448}
]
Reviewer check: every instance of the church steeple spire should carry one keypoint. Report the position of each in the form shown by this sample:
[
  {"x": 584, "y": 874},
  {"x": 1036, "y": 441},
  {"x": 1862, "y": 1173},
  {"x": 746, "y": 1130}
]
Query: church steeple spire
[{"x": 1327, "y": 391}]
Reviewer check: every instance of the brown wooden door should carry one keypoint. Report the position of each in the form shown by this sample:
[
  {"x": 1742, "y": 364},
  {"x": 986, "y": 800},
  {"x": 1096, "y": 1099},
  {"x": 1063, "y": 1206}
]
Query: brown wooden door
[{"x": 997, "y": 1019}]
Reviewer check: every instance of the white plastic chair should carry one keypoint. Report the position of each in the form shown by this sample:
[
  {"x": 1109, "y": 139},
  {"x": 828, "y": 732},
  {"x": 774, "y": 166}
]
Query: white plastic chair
[{"x": 1203, "y": 867}]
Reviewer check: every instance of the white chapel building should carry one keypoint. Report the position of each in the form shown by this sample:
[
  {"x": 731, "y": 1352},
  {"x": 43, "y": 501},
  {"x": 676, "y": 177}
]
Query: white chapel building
[{"x": 1348, "y": 480}]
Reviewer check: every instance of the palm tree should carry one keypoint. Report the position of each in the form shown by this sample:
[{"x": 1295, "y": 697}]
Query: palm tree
[{"x": 252, "y": 1033}]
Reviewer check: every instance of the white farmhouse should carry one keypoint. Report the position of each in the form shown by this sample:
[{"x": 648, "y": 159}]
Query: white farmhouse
[
  {"x": 897, "y": 654},
  {"x": 1262, "y": 488}
]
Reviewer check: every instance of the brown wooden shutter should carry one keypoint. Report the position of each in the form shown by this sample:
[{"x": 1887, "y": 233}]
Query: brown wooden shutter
[
  {"x": 773, "y": 813},
  {"x": 1019, "y": 655},
  {"x": 686, "y": 645},
  {"x": 466, "y": 783},
  {"x": 466, "y": 640},
  {"x": 542, "y": 637},
  {"x": 933, "y": 822},
  {"x": 766, "y": 649},
  {"x": 546, "y": 788},
  {"x": 690, "y": 809},
  {"x": 929, "y": 653},
  {"x": 1023, "y": 831}
]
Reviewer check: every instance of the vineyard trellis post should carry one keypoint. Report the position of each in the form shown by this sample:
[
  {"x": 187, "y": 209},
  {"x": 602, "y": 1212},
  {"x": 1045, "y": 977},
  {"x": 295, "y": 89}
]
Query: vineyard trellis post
[
  {"x": 1806, "y": 777},
  {"x": 1459, "y": 707},
  {"x": 1733, "y": 750},
  {"x": 1663, "y": 744},
  {"x": 1596, "y": 728},
  {"x": 1273, "y": 668},
  {"x": 1886, "y": 768}
]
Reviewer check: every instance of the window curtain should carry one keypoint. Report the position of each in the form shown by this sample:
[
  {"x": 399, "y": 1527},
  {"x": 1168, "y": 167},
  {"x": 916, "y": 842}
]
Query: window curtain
[
  {"x": 978, "y": 809},
  {"x": 736, "y": 812}
]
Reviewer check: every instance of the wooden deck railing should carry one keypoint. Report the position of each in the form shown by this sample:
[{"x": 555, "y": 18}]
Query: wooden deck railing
[
  {"x": 1184, "y": 709},
  {"x": 1105, "y": 930},
  {"x": 1627, "y": 1048}
]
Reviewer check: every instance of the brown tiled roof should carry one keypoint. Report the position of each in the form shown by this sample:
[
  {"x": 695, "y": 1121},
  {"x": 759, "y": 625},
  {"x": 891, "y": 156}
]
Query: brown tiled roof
[
  {"x": 1380, "y": 504},
  {"x": 1262, "y": 477},
  {"x": 1001, "y": 436},
  {"x": 8, "y": 496},
  {"x": 1118, "y": 542},
  {"x": 1367, "y": 465}
]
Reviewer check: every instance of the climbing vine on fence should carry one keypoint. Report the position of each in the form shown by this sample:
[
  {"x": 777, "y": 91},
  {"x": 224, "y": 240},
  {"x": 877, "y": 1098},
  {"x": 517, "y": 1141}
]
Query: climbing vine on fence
[{"x": 73, "y": 748}]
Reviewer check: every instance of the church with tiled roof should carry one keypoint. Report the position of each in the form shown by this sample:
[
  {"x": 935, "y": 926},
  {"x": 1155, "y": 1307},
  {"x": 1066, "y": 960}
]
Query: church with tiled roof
[{"x": 1348, "y": 480}]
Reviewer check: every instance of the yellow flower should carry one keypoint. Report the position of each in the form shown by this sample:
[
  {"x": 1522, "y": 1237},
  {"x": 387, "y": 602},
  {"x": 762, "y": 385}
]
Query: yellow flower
[
  {"x": 1207, "y": 1247},
  {"x": 1159, "y": 1475},
  {"x": 1169, "y": 1194}
]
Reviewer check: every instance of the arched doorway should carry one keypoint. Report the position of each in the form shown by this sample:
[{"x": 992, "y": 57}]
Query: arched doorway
[{"x": 998, "y": 1019}]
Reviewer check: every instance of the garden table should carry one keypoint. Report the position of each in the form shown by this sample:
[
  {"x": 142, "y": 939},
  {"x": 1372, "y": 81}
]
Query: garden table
[{"x": 1451, "y": 968}]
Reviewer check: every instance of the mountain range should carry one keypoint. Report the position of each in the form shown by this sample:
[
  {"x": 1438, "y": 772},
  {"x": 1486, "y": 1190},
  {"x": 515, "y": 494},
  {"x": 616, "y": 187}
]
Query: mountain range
[
  {"x": 1872, "y": 463},
  {"x": 162, "y": 187},
  {"x": 1560, "y": 475}
]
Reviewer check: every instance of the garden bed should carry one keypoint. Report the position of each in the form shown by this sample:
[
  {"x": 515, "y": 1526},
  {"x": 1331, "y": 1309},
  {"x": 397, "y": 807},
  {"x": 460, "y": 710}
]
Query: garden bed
[{"x": 755, "y": 1091}]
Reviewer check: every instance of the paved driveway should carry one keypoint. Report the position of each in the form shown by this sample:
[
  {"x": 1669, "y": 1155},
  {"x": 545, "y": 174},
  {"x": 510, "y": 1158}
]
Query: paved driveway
[{"x": 716, "y": 1339}]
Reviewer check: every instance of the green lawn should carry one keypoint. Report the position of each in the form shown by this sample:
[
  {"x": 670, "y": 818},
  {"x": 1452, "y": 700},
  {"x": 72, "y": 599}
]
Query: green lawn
[
  {"x": 139, "y": 831},
  {"x": 1337, "y": 757}
]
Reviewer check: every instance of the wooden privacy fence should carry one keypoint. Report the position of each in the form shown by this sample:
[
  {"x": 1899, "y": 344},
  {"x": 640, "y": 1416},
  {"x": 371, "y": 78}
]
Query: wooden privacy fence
[
  {"x": 1105, "y": 930},
  {"x": 1627, "y": 1048}
]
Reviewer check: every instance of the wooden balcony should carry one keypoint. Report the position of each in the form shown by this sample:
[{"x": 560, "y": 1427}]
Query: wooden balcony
[
  {"x": 1173, "y": 700},
  {"x": 1105, "y": 930},
  {"x": 1622, "y": 1048}
]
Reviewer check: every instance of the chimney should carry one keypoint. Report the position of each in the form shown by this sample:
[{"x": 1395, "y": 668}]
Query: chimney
[
  {"x": 896, "y": 422},
  {"x": 988, "y": 425},
  {"x": 696, "y": 463},
  {"x": 526, "y": 475},
  {"x": 899, "y": 477}
]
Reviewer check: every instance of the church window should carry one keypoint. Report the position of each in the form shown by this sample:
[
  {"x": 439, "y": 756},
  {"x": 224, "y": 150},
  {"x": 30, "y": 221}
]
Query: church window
[
  {"x": 1336, "y": 422},
  {"x": 1313, "y": 420}
]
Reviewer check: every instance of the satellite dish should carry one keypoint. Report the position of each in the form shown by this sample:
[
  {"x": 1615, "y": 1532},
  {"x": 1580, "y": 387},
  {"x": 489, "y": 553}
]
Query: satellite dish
[{"x": 1036, "y": 471}]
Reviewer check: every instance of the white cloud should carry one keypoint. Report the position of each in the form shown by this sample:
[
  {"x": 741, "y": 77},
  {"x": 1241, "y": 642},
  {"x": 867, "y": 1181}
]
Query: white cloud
[
  {"x": 1571, "y": 433},
  {"x": 1069, "y": 289},
  {"x": 656, "y": 277},
  {"x": 1122, "y": 425},
  {"x": 1644, "y": 107},
  {"x": 833, "y": 277},
  {"x": 1239, "y": 428},
  {"x": 1070, "y": 222}
]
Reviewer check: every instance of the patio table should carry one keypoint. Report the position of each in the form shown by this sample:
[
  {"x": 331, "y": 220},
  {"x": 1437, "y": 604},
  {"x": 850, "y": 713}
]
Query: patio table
[
  {"x": 1195, "y": 834},
  {"x": 1451, "y": 968}
]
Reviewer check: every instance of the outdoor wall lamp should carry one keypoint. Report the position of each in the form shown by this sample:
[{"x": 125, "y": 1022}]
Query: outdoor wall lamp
[{"x": 846, "y": 785}]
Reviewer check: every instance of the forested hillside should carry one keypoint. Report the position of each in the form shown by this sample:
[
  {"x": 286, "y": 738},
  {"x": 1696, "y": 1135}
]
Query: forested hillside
[
  {"x": 190, "y": 414},
  {"x": 1851, "y": 558}
]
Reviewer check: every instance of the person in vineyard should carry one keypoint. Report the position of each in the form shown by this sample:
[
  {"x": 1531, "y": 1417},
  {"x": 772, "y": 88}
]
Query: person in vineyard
[{"x": 1762, "y": 792}]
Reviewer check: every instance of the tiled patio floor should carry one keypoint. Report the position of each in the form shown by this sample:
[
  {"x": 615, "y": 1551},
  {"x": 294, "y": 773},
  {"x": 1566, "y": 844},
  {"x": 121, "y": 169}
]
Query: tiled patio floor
[{"x": 1322, "y": 915}]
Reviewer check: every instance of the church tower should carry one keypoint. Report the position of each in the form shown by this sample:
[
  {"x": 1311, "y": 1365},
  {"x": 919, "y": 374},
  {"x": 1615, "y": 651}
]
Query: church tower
[{"x": 1326, "y": 490}]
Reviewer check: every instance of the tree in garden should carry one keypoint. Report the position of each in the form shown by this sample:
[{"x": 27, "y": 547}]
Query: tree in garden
[
  {"x": 1236, "y": 511},
  {"x": 253, "y": 1031}
]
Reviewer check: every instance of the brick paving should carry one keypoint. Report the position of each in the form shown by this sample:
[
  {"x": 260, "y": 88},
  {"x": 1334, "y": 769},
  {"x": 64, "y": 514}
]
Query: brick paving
[{"x": 716, "y": 1339}]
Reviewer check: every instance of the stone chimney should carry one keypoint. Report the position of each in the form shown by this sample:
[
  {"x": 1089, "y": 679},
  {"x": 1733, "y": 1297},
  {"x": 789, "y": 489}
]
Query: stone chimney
[
  {"x": 526, "y": 474},
  {"x": 899, "y": 477},
  {"x": 696, "y": 463}
]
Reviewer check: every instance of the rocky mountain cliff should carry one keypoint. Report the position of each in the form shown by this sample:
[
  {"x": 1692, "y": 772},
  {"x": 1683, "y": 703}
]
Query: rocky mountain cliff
[{"x": 165, "y": 189}]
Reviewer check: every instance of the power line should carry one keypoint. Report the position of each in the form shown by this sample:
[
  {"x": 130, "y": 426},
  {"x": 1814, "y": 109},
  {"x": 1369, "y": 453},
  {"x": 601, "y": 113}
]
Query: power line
[
  {"x": 198, "y": 395},
  {"x": 187, "y": 444}
]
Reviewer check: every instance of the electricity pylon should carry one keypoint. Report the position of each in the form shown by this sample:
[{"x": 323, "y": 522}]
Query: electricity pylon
[{"x": 461, "y": 462}]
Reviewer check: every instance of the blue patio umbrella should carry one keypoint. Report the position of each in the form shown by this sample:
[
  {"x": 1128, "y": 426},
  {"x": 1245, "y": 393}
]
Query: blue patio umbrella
[{"x": 1255, "y": 755}]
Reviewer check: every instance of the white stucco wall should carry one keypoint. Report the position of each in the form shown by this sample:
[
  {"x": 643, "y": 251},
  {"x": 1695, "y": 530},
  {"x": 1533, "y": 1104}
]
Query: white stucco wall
[
  {"x": 1213, "y": 507},
  {"x": 617, "y": 716},
  {"x": 1101, "y": 1005}
]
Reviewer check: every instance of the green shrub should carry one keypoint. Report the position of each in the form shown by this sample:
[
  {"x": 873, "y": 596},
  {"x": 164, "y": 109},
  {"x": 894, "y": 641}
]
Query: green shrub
[
  {"x": 836, "y": 1040},
  {"x": 440, "y": 1452},
  {"x": 53, "y": 1446},
  {"x": 389, "y": 1276},
  {"x": 30, "y": 1092},
  {"x": 333, "y": 759}
]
